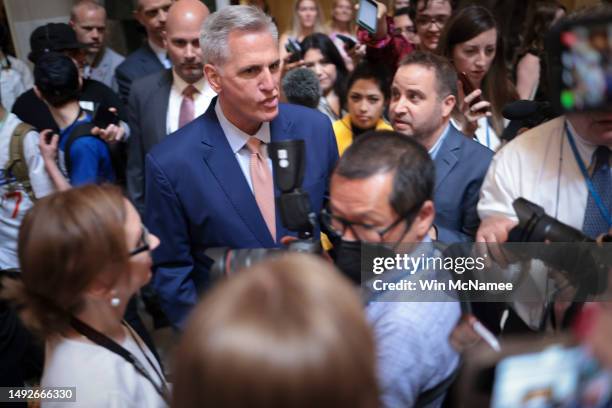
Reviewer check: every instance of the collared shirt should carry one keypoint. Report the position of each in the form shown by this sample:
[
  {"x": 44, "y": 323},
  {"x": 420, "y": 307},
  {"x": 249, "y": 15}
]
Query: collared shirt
[
  {"x": 104, "y": 69},
  {"x": 161, "y": 54},
  {"x": 201, "y": 100},
  {"x": 540, "y": 167},
  {"x": 433, "y": 152},
  {"x": 413, "y": 350},
  {"x": 238, "y": 139}
]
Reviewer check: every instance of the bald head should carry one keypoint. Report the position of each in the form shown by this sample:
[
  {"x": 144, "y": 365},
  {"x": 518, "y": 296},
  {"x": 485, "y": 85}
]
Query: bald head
[
  {"x": 186, "y": 12},
  {"x": 88, "y": 19},
  {"x": 185, "y": 19}
]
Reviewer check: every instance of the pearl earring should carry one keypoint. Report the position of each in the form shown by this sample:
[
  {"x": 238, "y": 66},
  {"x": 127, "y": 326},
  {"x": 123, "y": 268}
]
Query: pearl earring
[{"x": 115, "y": 301}]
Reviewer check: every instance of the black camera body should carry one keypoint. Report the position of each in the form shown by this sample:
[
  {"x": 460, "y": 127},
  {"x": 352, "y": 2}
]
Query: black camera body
[{"x": 585, "y": 263}]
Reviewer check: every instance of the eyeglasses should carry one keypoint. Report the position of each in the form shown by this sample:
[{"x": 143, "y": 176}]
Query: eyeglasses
[
  {"x": 144, "y": 243},
  {"x": 362, "y": 232},
  {"x": 401, "y": 30},
  {"x": 426, "y": 21}
]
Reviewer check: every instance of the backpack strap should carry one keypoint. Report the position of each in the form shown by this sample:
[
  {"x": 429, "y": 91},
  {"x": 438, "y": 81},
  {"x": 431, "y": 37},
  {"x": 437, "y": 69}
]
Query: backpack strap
[
  {"x": 17, "y": 164},
  {"x": 83, "y": 129}
]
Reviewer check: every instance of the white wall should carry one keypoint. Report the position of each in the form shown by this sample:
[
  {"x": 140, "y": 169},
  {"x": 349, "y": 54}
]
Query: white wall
[{"x": 25, "y": 15}]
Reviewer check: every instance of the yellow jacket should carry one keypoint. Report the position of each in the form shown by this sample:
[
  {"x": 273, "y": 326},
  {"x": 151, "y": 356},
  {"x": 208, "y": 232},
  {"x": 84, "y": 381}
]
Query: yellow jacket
[{"x": 344, "y": 132}]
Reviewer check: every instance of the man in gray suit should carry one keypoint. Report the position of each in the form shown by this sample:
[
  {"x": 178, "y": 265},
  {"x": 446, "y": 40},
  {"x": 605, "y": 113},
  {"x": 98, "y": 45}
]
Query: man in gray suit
[{"x": 163, "y": 102}]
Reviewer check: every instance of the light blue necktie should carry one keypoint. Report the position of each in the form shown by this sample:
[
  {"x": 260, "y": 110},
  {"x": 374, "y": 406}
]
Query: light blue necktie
[{"x": 594, "y": 222}]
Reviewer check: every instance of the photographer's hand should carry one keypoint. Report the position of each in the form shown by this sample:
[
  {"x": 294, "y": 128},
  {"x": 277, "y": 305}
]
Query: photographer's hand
[
  {"x": 494, "y": 231},
  {"x": 463, "y": 335}
]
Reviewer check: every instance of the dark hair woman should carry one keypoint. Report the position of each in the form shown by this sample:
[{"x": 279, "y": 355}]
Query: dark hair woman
[
  {"x": 83, "y": 254},
  {"x": 321, "y": 55},
  {"x": 472, "y": 42},
  {"x": 367, "y": 96}
]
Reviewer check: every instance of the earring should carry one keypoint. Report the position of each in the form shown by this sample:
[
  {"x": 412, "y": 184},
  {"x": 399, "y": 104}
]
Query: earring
[{"x": 115, "y": 301}]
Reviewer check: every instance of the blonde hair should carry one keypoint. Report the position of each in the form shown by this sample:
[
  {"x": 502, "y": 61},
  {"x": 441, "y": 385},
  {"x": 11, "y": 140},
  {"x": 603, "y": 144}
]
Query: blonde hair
[
  {"x": 288, "y": 332},
  {"x": 352, "y": 26},
  {"x": 295, "y": 25}
]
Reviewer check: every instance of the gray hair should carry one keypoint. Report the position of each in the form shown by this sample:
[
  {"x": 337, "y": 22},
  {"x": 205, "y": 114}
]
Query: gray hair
[{"x": 218, "y": 26}]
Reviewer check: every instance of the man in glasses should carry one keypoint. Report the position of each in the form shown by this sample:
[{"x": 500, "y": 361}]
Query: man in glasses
[{"x": 382, "y": 192}]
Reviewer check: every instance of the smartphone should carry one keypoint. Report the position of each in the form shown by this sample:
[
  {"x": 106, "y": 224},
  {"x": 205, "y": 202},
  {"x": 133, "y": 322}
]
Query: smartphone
[
  {"x": 102, "y": 117},
  {"x": 367, "y": 16},
  {"x": 350, "y": 43},
  {"x": 580, "y": 64},
  {"x": 294, "y": 49},
  {"x": 468, "y": 88}
]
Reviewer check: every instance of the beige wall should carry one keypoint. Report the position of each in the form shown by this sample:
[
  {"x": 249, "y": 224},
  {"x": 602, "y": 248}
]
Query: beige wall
[{"x": 25, "y": 15}]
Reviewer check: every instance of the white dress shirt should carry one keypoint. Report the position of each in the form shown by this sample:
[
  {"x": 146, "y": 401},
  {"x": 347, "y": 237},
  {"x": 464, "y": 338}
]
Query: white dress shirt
[
  {"x": 539, "y": 165},
  {"x": 161, "y": 54},
  {"x": 238, "y": 139},
  {"x": 201, "y": 100}
]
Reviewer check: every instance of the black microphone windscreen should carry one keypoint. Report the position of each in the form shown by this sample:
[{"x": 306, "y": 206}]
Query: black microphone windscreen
[
  {"x": 301, "y": 87},
  {"x": 520, "y": 109}
]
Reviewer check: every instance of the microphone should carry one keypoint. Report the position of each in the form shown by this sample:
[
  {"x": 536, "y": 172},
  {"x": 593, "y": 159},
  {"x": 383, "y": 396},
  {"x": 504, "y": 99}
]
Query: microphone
[
  {"x": 523, "y": 109},
  {"x": 301, "y": 87}
]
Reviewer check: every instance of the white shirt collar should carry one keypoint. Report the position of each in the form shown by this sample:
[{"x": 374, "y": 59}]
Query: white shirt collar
[
  {"x": 180, "y": 84},
  {"x": 236, "y": 137},
  {"x": 585, "y": 148}
]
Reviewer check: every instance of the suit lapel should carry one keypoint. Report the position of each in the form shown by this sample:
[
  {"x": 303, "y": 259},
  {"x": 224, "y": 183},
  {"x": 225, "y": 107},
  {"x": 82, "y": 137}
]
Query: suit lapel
[
  {"x": 149, "y": 57},
  {"x": 162, "y": 96},
  {"x": 448, "y": 156},
  {"x": 220, "y": 159}
]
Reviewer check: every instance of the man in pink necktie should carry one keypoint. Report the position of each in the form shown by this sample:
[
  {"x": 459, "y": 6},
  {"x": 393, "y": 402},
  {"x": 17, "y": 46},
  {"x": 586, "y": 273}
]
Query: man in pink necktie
[
  {"x": 166, "y": 101},
  {"x": 210, "y": 184}
]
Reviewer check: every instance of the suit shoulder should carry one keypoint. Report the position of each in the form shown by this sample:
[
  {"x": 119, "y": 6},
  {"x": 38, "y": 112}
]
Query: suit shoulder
[
  {"x": 179, "y": 143},
  {"x": 300, "y": 113},
  {"x": 133, "y": 62},
  {"x": 471, "y": 147},
  {"x": 148, "y": 82}
]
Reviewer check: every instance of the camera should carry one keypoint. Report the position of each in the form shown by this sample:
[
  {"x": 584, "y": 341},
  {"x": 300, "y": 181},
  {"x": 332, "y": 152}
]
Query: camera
[
  {"x": 288, "y": 161},
  {"x": 585, "y": 263}
]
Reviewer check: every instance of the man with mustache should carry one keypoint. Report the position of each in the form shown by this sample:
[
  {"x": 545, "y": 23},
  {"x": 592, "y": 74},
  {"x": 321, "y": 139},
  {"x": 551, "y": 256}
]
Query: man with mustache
[
  {"x": 210, "y": 183},
  {"x": 151, "y": 57},
  {"x": 423, "y": 95},
  {"x": 88, "y": 19},
  {"x": 165, "y": 101}
]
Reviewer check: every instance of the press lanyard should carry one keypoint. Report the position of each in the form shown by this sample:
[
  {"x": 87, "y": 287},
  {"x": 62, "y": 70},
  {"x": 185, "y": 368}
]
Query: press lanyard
[
  {"x": 605, "y": 213},
  {"x": 488, "y": 137},
  {"x": 109, "y": 344}
]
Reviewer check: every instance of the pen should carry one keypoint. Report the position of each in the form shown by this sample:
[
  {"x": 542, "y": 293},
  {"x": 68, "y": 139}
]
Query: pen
[{"x": 486, "y": 335}]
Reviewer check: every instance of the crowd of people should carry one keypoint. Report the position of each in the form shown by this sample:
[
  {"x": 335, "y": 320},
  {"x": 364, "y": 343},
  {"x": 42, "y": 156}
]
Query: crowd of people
[{"x": 117, "y": 174}]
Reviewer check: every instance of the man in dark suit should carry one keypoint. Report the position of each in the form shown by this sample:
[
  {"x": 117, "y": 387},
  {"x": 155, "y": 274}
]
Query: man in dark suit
[
  {"x": 151, "y": 56},
  {"x": 161, "y": 103},
  {"x": 423, "y": 95},
  {"x": 210, "y": 183}
]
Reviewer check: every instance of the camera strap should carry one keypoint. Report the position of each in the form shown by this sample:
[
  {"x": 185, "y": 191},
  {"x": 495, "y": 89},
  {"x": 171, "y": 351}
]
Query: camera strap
[
  {"x": 104, "y": 341},
  {"x": 605, "y": 213}
]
